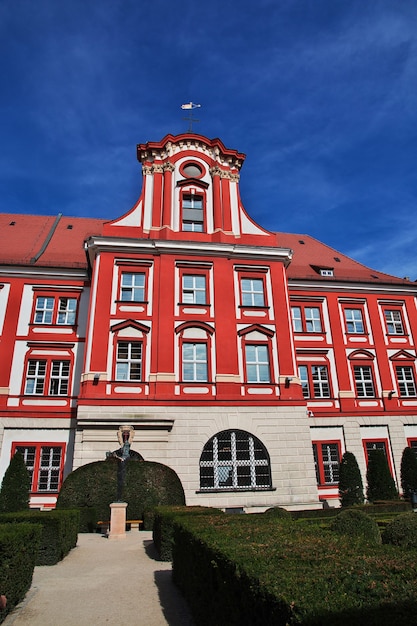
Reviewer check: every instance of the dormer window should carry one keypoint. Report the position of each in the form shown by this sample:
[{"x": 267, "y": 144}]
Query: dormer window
[
  {"x": 326, "y": 272},
  {"x": 192, "y": 213}
]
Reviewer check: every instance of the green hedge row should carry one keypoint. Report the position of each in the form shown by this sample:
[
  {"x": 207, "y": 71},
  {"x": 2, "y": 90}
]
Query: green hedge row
[
  {"x": 94, "y": 486},
  {"x": 254, "y": 569},
  {"x": 163, "y": 526},
  {"x": 19, "y": 545},
  {"x": 378, "y": 508},
  {"x": 59, "y": 532}
]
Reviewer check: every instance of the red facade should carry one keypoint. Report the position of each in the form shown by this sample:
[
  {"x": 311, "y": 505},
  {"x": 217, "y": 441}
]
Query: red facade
[{"x": 246, "y": 360}]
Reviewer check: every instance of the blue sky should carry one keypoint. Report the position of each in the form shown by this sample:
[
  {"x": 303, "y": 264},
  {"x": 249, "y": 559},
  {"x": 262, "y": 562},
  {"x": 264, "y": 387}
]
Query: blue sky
[{"x": 320, "y": 94}]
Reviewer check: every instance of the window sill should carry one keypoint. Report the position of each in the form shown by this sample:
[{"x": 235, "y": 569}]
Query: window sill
[
  {"x": 234, "y": 489},
  {"x": 252, "y": 307}
]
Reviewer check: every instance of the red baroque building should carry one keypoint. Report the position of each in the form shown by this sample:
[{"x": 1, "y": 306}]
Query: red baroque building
[{"x": 248, "y": 361}]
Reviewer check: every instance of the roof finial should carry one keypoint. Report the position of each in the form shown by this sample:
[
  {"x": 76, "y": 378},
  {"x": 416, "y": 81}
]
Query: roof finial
[{"x": 190, "y": 106}]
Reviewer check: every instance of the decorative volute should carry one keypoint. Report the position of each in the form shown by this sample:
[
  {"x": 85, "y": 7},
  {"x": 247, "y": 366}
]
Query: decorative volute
[{"x": 190, "y": 191}]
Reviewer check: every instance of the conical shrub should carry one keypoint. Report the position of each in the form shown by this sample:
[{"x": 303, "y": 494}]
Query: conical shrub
[
  {"x": 14, "y": 493},
  {"x": 350, "y": 481}
]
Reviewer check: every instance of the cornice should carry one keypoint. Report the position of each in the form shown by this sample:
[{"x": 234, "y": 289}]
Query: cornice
[
  {"x": 189, "y": 248},
  {"x": 351, "y": 286},
  {"x": 44, "y": 273}
]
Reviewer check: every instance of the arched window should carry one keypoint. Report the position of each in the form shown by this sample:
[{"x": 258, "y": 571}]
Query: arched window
[{"x": 234, "y": 460}]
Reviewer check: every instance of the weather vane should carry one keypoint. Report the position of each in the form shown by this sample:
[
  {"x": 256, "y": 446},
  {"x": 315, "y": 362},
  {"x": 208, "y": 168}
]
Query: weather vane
[{"x": 190, "y": 106}]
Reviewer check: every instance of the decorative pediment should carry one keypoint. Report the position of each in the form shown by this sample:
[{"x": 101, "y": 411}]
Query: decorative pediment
[
  {"x": 402, "y": 355},
  {"x": 200, "y": 325},
  {"x": 129, "y": 324},
  {"x": 256, "y": 328},
  {"x": 361, "y": 355}
]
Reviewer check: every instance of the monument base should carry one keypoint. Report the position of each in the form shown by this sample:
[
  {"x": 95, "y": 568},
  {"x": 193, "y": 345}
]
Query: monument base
[{"x": 118, "y": 520}]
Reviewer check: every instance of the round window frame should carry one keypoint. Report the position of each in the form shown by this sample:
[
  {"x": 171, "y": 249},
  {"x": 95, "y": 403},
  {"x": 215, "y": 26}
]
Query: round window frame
[{"x": 195, "y": 164}]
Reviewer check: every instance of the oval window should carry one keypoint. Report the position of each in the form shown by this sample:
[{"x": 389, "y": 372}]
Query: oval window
[{"x": 192, "y": 170}]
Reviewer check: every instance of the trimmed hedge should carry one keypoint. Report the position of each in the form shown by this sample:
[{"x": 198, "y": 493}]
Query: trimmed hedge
[
  {"x": 147, "y": 485},
  {"x": 254, "y": 570},
  {"x": 402, "y": 531},
  {"x": 19, "y": 545},
  {"x": 278, "y": 512},
  {"x": 59, "y": 532},
  {"x": 163, "y": 527},
  {"x": 375, "y": 509},
  {"x": 355, "y": 523}
]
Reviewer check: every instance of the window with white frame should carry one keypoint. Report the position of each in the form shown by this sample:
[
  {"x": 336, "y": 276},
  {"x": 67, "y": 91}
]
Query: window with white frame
[
  {"x": 194, "y": 362},
  {"x": 354, "y": 321},
  {"x": 406, "y": 380},
  {"x": 58, "y": 385},
  {"x": 257, "y": 363},
  {"x": 129, "y": 361},
  {"x": 50, "y": 310},
  {"x": 252, "y": 292},
  {"x": 132, "y": 287},
  {"x": 394, "y": 322},
  {"x": 364, "y": 381},
  {"x": 194, "y": 289},
  {"x": 327, "y": 461},
  {"x": 44, "y": 310},
  {"x": 234, "y": 460},
  {"x": 192, "y": 213},
  {"x": 44, "y": 463},
  {"x": 314, "y": 381},
  {"x": 306, "y": 319},
  {"x": 47, "y": 377},
  {"x": 67, "y": 309}
]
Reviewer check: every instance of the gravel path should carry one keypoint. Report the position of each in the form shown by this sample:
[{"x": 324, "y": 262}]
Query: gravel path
[{"x": 103, "y": 581}]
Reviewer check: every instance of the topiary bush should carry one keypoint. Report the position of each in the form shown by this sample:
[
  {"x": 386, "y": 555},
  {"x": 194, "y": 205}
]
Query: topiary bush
[
  {"x": 381, "y": 485},
  {"x": 147, "y": 485},
  {"x": 408, "y": 472},
  {"x": 350, "y": 481},
  {"x": 278, "y": 512},
  {"x": 14, "y": 493},
  {"x": 402, "y": 531},
  {"x": 355, "y": 523},
  {"x": 19, "y": 544}
]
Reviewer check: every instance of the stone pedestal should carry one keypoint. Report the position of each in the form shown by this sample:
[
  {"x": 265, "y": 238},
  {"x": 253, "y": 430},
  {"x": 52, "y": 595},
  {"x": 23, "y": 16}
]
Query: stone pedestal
[{"x": 118, "y": 520}]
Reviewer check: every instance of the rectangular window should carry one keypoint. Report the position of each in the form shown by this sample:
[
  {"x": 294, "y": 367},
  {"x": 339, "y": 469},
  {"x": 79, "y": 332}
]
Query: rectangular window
[
  {"x": 35, "y": 377},
  {"x": 252, "y": 290},
  {"x": 194, "y": 289},
  {"x": 327, "y": 461},
  {"x": 41, "y": 371},
  {"x": 61, "y": 311},
  {"x": 314, "y": 381},
  {"x": 373, "y": 444},
  {"x": 67, "y": 309},
  {"x": 192, "y": 213},
  {"x": 129, "y": 360},
  {"x": 59, "y": 380},
  {"x": 394, "y": 322},
  {"x": 194, "y": 362},
  {"x": 257, "y": 363},
  {"x": 132, "y": 287},
  {"x": 306, "y": 319},
  {"x": 354, "y": 321},
  {"x": 44, "y": 310},
  {"x": 44, "y": 464},
  {"x": 364, "y": 381},
  {"x": 406, "y": 381}
]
